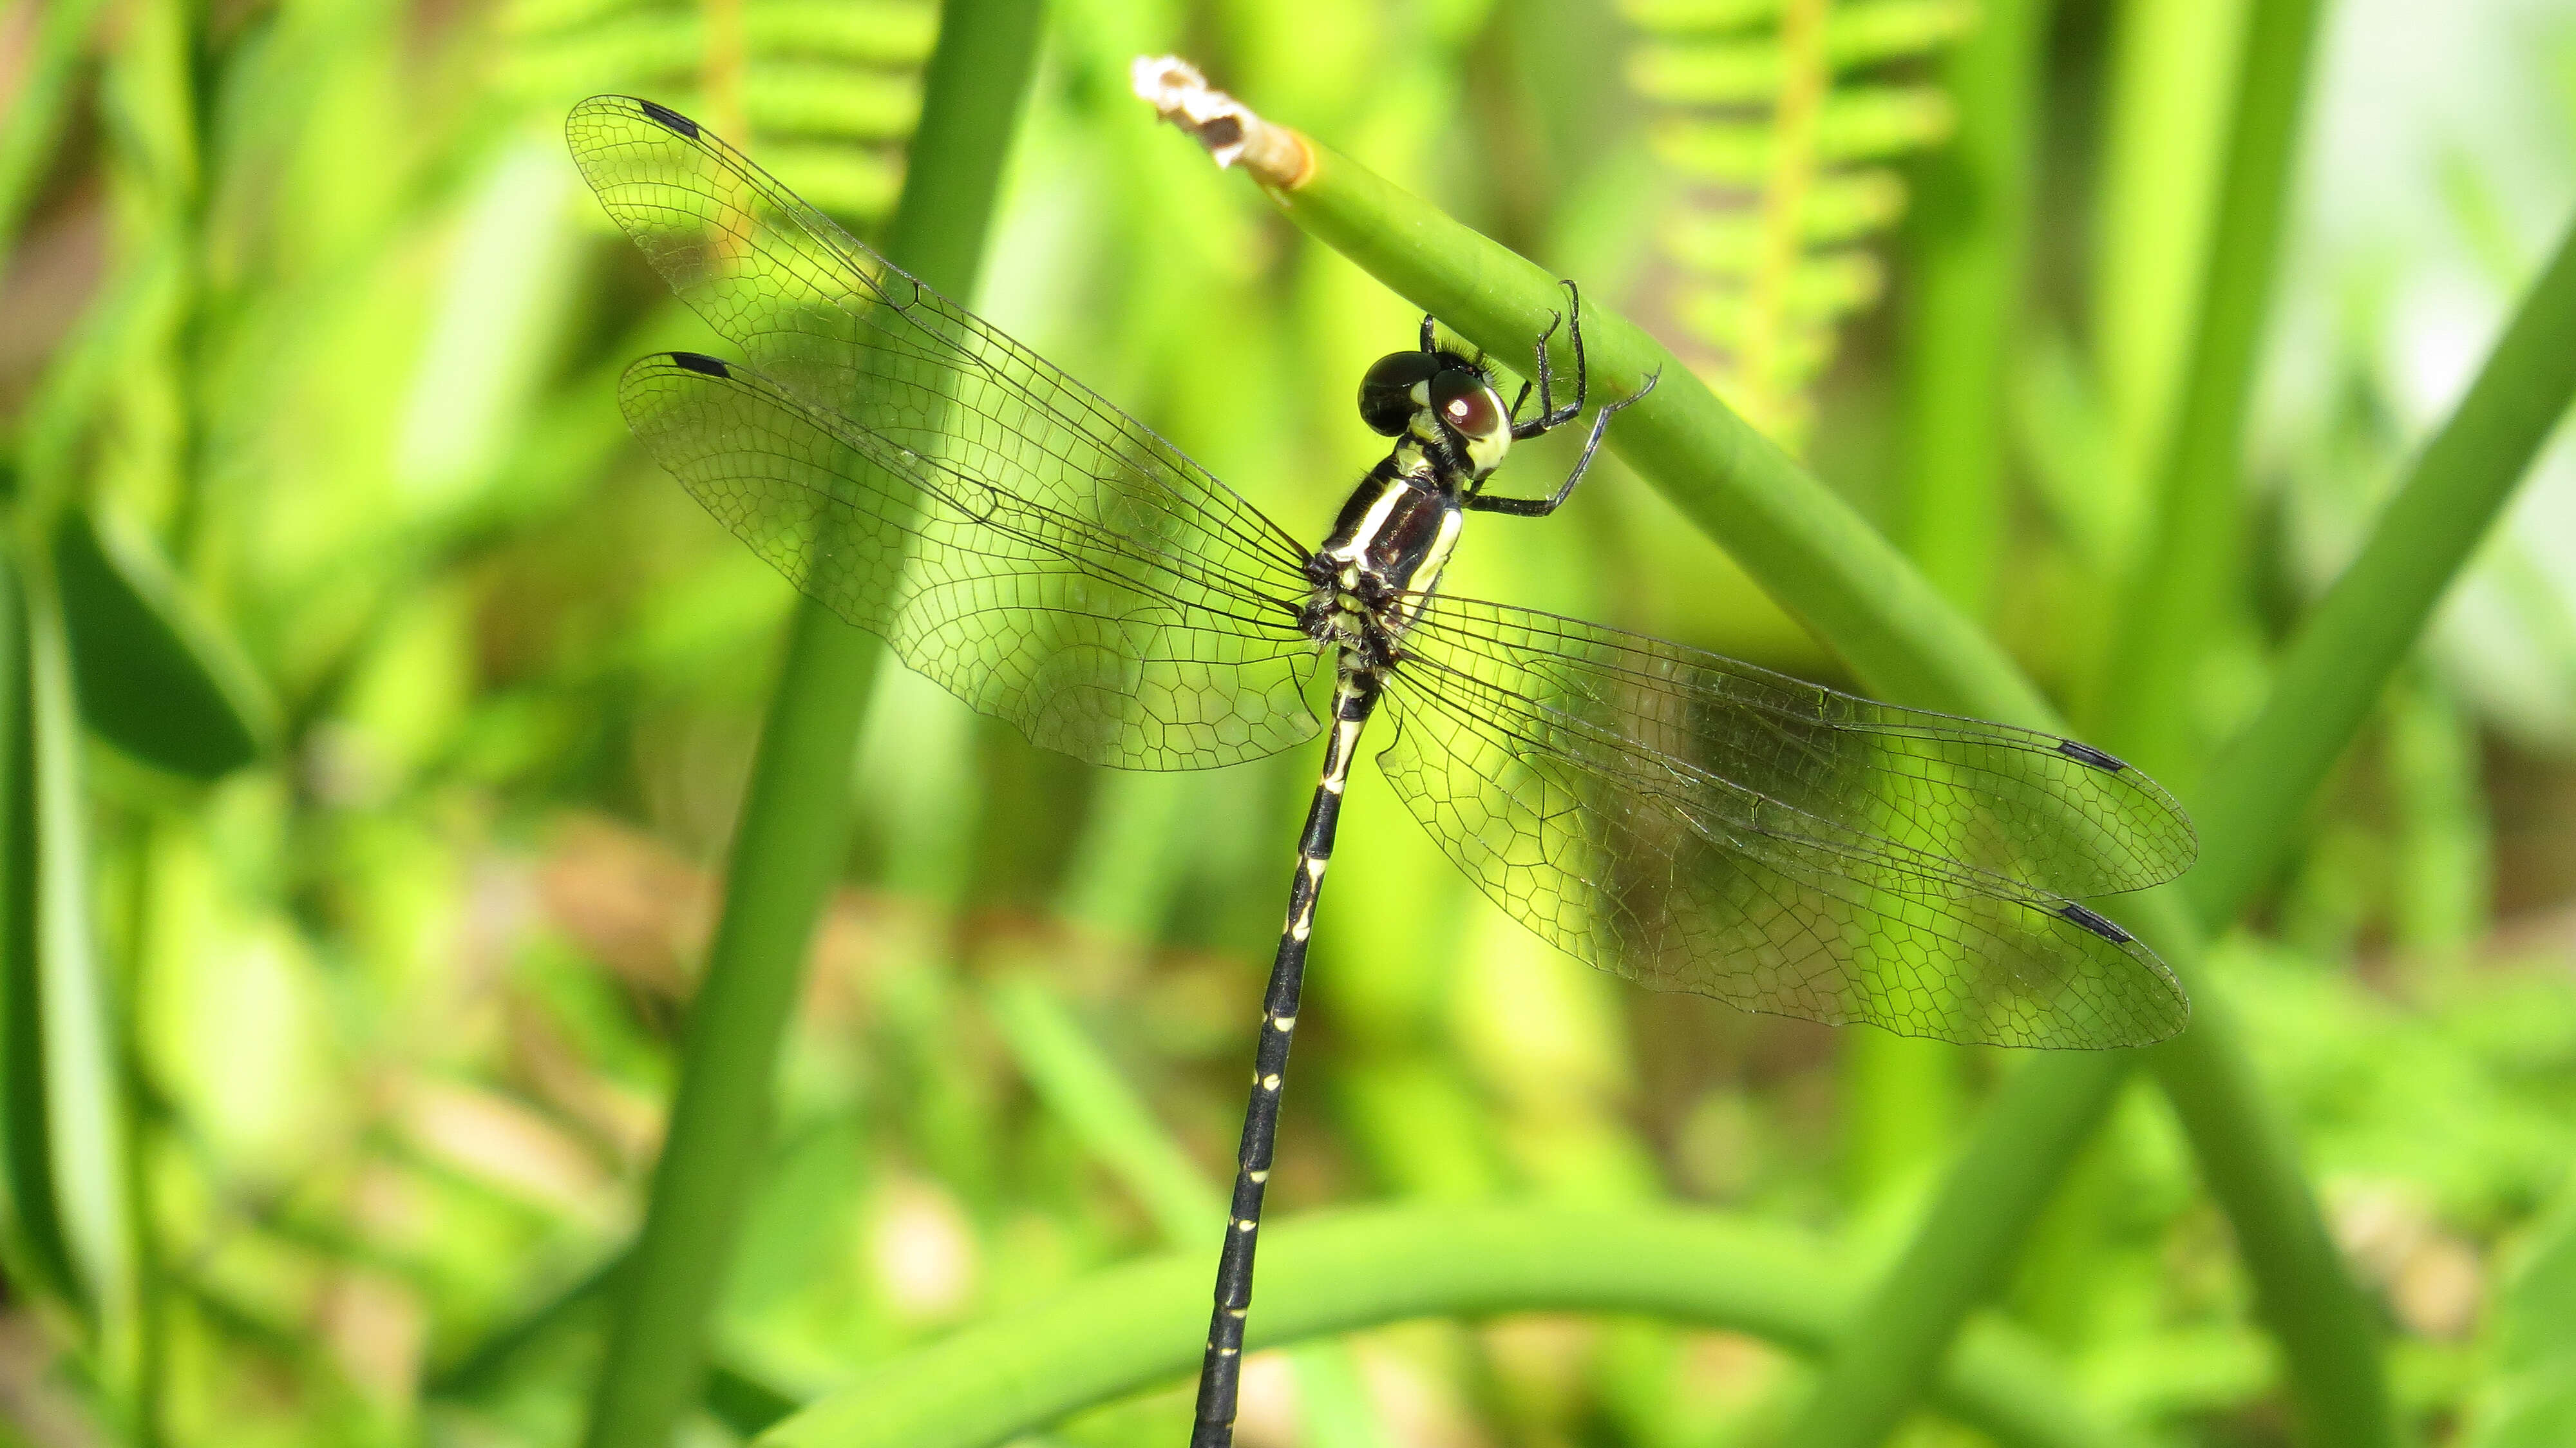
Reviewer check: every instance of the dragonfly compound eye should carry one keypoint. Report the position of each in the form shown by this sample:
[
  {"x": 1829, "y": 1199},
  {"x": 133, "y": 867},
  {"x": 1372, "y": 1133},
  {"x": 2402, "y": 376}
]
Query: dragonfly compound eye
[
  {"x": 1391, "y": 392},
  {"x": 1467, "y": 404}
]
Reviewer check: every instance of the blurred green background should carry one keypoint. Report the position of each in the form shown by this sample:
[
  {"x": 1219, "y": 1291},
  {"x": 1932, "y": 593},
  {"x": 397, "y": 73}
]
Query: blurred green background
[{"x": 376, "y": 713}]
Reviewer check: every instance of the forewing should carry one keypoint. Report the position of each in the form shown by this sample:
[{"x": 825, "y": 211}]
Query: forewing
[
  {"x": 1048, "y": 619},
  {"x": 1693, "y": 823},
  {"x": 840, "y": 329}
]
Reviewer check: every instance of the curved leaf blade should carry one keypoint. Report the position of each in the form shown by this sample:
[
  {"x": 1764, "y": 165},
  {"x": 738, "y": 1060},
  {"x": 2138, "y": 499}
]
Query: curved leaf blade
[{"x": 157, "y": 677}]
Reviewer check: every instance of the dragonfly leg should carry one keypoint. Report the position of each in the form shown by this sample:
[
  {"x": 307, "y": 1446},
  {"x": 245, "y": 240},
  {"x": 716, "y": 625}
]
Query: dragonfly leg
[
  {"x": 1544, "y": 374},
  {"x": 1550, "y": 416},
  {"x": 1541, "y": 507}
]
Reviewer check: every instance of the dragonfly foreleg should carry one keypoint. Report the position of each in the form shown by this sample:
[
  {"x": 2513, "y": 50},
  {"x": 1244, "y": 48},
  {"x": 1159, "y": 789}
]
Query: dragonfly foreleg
[{"x": 1541, "y": 507}]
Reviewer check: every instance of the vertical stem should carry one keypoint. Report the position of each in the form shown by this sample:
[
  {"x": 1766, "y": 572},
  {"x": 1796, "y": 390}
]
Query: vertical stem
[
  {"x": 2158, "y": 164},
  {"x": 1969, "y": 229},
  {"x": 785, "y": 855},
  {"x": 1970, "y": 219},
  {"x": 76, "y": 1008},
  {"x": 796, "y": 813},
  {"x": 2173, "y": 599}
]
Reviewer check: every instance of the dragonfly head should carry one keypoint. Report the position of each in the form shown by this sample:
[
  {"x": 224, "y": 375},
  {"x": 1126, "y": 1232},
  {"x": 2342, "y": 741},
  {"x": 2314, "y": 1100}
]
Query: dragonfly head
[{"x": 1436, "y": 396}]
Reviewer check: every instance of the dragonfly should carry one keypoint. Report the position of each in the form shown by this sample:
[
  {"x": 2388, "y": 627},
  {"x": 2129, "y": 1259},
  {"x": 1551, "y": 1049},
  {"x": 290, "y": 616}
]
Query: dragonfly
[{"x": 1685, "y": 820}]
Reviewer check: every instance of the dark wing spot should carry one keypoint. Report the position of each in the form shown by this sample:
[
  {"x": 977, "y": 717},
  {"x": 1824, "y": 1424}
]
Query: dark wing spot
[
  {"x": 700, "y": 362},
  {"x": 673, "y": 120},
  {"x": 2095, "y": 923},
  {"x": 2087, "y": 754}
]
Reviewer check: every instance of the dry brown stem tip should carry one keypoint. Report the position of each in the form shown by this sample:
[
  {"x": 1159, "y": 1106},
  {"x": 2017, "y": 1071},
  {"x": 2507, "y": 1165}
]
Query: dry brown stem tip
[{"x": 1275, "y": 155}]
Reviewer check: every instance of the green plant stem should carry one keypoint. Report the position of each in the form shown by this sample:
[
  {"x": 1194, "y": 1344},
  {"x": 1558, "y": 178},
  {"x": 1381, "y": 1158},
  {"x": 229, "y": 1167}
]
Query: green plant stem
[
  {"x": 1969, "y": 227},
  {"x": 2175, "y": 595},
  {"x": 2166, "y": 93},
  {"x": 85, "y": 1110},
  {"x": 1967, "y": 234},
  {"x": 1133, "y": 1327},
  {"x": 795, "y": 821},
  {"x": 2355, "y": 636},
  {"x": 1803, "y": 543},
  {"x": 1908, "y": 644},
  {"x": 786, "y": 854},
  {"x": 2334, "y": 669}
]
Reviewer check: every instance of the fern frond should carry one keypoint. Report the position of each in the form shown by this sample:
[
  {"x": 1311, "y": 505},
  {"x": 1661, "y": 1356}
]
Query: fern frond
[
  {"x": 1772, "y": 115},
  {"x": 824, "y": 91}
]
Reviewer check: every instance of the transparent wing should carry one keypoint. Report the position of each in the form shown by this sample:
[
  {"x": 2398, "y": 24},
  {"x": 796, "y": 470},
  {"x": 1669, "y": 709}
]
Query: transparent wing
[
  {"x": 1030, "y": 489},
  {"x": 1043, "y": 618},
  {"x": 1698, "y": 824},
  {"x": 841, "y": 329}
]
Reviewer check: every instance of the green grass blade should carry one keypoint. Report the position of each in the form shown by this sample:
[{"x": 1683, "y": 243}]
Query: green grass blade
[
  {"x": 1114, "y": 1124},
  {"x": 744, "y": 1403},
  {"x": 2344, "y": 654},
  {"x": 1966, "y": 241},
  {"x": 1967, "y": 238},
  {"x": 476, "y": 1368},
  {"x": 735, "y": 1396},
  {"x": 795, "y": 815},
  {"x": 158, "y": 676},
  {"x": 2191, "y": 563},
  {"x": 36, "y": 1244},
  {"x": 1137, "y": 1326},
  {"x": 75, "y": 1010},
  {"x": 2354, "y": 637}
]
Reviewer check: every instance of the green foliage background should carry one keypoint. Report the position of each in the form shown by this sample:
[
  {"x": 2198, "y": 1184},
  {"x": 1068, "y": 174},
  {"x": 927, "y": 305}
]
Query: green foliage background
[{"x": 376, "y": 717}]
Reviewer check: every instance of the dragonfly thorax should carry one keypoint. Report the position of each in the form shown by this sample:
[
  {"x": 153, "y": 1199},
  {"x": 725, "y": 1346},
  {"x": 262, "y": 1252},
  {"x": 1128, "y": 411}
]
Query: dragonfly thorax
[
  {"x": 1385, "y": 553},
  {"x": 1401, "y": 523}
]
